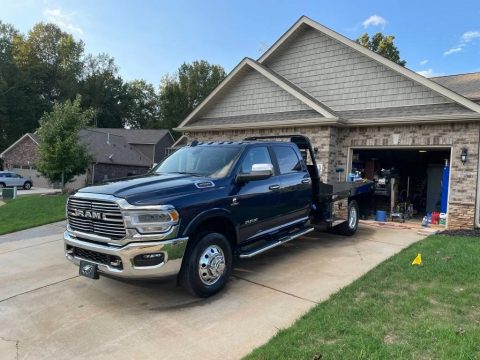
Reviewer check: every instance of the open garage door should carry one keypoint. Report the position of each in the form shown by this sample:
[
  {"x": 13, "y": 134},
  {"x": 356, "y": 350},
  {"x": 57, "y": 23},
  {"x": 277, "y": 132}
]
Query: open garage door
[{"x": 410, "y": 181}]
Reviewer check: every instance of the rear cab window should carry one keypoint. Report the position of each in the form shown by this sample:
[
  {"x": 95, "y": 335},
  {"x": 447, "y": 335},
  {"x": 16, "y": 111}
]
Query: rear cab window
[{"x": 288, "y": 160}]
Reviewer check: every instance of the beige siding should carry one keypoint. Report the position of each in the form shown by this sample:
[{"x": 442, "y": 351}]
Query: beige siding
[
  {"x": 252, "y": 93},
  {"x": 344, "y": 79}
]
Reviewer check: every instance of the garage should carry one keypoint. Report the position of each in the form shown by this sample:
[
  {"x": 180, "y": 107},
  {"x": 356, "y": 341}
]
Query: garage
[{"x": 409, "y": 182}]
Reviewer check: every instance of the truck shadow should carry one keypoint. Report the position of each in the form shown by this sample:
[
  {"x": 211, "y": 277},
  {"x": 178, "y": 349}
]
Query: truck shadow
[{"x": 164, "y": 295}]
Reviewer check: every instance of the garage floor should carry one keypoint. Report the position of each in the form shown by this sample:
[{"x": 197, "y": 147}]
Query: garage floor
[{"x": 47, "y": 311}]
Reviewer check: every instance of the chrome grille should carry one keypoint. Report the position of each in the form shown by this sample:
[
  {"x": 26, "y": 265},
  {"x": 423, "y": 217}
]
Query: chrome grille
[{"x": 109, "y": 220}]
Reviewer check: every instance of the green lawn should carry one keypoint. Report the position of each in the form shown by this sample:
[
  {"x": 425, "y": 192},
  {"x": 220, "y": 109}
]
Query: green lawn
[
  {"x": 396, "y": 311},
  {"x": 32, "y": 210}
]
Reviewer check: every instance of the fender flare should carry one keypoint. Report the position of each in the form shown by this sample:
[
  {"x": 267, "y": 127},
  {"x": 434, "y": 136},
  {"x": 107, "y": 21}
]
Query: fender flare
[{"x": 208, "y": 214}]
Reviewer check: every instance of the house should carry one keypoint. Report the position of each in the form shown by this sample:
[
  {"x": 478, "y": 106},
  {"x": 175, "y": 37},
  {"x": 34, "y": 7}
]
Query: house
[
  {"x": 116, "y": 153},
  {"x": 365, "y": 114}
]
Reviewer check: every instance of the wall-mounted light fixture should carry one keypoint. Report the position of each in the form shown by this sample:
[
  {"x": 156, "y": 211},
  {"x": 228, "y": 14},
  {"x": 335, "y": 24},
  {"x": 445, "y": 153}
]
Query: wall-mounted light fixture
[{"x": 464, "y": 156}]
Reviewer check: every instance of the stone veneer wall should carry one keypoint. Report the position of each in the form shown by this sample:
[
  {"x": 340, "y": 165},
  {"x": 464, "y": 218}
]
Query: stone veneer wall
[{"x": 463, "y": 178}]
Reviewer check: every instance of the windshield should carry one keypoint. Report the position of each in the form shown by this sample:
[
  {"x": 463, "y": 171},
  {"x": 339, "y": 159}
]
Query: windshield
[{"x": 210, "y": 161}]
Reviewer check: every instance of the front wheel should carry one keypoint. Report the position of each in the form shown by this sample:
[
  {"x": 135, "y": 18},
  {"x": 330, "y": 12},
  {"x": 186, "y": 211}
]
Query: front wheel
[
  {"x": 27, "y": 185},
  {"x": 208, "y": 265},
  {"x": 350, "y": 226}
]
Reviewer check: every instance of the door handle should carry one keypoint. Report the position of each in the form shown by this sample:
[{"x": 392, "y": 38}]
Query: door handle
[
  {"x": 274, "y": 187},
  {"x": 305, "y": 181}
]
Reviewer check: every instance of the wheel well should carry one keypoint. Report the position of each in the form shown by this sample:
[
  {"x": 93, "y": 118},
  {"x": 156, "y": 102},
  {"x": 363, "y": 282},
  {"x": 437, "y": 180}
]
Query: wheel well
[{"x": 221, "y": 225}]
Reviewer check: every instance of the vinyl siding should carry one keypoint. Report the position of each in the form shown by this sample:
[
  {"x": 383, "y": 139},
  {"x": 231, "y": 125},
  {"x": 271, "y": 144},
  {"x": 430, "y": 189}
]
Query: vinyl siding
[
  {"x": 252, "y": 93},
  {"x": 343, "y": 78}
]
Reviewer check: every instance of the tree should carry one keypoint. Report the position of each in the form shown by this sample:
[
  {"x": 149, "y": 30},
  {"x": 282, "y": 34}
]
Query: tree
[
  {"x": 382, "y": 45},
  {"x": 180, "y": 94},
  {"x": 143, "y": 106},
  {"x": 62, "y": 155},
  {"x": 103, "y": 90}
]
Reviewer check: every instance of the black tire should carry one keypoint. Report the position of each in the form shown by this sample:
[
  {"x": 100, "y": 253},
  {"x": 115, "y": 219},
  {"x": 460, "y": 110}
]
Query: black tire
[
  {"x": 27, "y": 185},
  {"x": 349, "y": 227},
  {"x": 198, "y": 257},
  {"x": 2, "y": 185}
]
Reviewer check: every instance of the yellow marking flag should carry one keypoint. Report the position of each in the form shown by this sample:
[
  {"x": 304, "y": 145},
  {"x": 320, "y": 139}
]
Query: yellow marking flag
[{"x": 417, "y": 260}]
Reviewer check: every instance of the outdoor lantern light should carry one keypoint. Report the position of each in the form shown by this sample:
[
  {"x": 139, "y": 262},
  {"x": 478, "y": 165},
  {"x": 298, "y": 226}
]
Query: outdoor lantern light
[{"x": 463, "y": 156}]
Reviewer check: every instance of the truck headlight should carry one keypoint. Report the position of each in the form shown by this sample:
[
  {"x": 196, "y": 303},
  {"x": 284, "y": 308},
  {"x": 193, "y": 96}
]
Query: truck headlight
[{"x": 150, "y": 222}]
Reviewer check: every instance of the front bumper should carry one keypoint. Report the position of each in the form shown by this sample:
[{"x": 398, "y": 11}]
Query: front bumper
[{"x": 172, "y": 250}]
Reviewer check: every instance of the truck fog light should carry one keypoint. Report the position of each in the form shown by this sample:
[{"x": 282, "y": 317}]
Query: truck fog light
[{"x": 149, "y": 259}]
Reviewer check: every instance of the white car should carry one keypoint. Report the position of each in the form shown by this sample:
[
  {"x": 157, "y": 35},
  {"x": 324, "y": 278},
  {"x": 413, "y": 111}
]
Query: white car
[{"x": 11, "y": 179}]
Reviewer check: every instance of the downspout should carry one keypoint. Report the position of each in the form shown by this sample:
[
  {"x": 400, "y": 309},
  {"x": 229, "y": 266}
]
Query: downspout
[
  {"x": 93, "y": 172},
  {"x": 477, "y": 211}
]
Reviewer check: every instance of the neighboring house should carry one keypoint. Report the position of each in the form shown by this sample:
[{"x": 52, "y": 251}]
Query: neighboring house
[
  {"x": 362, "y": 111},
  {"x": 116, "y": 153}
]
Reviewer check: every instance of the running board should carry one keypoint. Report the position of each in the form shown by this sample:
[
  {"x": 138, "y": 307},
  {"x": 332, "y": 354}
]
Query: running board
[{"x": 276, "y": 243}]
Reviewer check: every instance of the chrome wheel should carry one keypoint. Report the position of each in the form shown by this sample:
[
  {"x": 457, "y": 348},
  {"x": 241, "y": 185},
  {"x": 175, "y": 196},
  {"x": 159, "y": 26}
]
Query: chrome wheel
[
  {"x": 211, "y": 265},
  {"x": 352, "y": 219}
]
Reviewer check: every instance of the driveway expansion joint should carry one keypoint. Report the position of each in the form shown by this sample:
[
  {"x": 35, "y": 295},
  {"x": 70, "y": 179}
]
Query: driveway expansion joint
[
  {"x": 276, "y": 290},
  {"x": 17, "y": 344}
]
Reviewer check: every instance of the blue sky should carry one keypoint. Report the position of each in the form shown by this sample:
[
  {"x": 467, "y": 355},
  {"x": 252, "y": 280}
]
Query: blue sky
[{"x": 151, "y": 38}]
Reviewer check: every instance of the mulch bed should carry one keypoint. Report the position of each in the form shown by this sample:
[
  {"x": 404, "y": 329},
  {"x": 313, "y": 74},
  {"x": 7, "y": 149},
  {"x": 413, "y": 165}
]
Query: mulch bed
[{"x": 461, "y": 232}]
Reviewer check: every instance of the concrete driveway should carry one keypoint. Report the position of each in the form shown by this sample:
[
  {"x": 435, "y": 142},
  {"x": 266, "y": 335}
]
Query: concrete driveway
[{"x": 48, "y": 312}]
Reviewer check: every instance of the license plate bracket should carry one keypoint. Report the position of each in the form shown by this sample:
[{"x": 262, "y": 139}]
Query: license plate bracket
[{"x": 88, "y": 269}]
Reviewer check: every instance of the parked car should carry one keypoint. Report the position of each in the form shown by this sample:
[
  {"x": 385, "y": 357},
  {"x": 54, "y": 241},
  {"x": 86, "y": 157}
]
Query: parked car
[
  {"x": 205, "y": 205},
  {"x": 11, "y": 179}
]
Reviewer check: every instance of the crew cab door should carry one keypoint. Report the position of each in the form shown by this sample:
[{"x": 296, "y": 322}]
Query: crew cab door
[
  {"x": 296, "y": 188},
  {"x": 254, "y": 204}
]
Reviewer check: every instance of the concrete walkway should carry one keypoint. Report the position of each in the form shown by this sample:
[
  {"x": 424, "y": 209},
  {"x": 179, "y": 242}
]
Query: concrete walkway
[{"x": 48, "y": 312}]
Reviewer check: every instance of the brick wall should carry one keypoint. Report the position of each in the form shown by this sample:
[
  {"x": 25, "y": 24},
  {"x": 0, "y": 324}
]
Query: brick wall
[
  {"x": 25, "y": 153},
  {"x": 334, "y": 145},
  {"x": 113, "y": 171},
  {"x": 463, "y": 178},
  {"x": 321, "y": 137}
]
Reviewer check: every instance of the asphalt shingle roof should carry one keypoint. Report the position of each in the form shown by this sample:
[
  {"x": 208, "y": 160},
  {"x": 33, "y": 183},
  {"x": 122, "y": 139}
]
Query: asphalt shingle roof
[
  {"x": 467, "y": 85},
  {"x": 137, "y": 136}
]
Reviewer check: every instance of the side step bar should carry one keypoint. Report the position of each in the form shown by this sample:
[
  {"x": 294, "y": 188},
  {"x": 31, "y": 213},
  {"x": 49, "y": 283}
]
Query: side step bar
[{"x": 276, "y": 243}]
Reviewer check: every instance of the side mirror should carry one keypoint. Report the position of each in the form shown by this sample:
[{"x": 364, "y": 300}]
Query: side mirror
[{"x": 259, "y": 172}]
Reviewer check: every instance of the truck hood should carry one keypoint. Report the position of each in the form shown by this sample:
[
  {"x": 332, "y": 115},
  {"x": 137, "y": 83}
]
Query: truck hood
[{"x": 157, "y": 186}]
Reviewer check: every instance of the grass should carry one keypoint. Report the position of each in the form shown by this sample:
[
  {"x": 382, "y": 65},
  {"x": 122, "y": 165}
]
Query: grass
[
  {"x": 396, "y": 311},
  {"x": 33, "y": 210}
]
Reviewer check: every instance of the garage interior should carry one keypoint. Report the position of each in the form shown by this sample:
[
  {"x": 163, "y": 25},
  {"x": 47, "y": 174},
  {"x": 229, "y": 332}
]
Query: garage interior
[{"x": 409, "y": 183}]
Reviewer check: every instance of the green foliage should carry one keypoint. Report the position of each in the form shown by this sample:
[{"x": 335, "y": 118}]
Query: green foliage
[
  {"x": 180, "y": 94},
  {"x": 62, "y": 155},
  {"x": 382, "y": 45},
  {"x": 48, "y": 66},
  {"x": 25, "y": 212}
]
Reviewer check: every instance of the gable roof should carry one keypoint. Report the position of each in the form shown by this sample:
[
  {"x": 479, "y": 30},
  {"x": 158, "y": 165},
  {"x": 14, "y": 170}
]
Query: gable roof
[
  {"x": 30, "y": 136},
  {"x": 278, "y": 80},
  {"x": 467, "y": 85},
  {"x": 108, "y": 148},
  {"x": 137, "y": 136},
  {"x": 305, "y": 21}
]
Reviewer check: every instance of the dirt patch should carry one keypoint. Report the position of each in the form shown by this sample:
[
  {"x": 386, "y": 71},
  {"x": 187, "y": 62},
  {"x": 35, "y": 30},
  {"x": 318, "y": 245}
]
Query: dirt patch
[
  {"x": 390, "y": 339},
  {"x": 461, "y": 232}
]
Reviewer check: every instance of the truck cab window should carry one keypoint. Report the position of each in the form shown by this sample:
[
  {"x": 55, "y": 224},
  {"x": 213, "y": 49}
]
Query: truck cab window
[
  {"x": 256, "y": 155},
  {"x": 288, "y": 160}
]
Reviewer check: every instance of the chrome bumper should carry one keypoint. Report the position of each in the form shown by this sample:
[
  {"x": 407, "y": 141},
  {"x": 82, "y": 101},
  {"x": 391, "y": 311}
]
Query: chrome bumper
[{"x": 173, "y": 251}]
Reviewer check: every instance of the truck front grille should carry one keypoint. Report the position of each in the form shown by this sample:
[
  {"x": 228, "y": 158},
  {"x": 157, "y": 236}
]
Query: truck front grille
[
  {"x": 96, "y": 257},
  {"x": 98, "y": 217}
]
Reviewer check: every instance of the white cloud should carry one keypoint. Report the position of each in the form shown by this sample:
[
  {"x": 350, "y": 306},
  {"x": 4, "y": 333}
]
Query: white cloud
[
  {"x": 423, "y": 62},
  {"x": 466, "y": 38},
  {"x": 374, "y": 20},
  {"x": 453, "y": 50},
  {"x": 429, "y": 73},
  {"x": 469, "y": 36},
  {"x": 63, "y": 20}
]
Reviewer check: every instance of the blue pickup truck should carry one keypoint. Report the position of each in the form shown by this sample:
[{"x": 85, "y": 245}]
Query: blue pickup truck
[{"x": 205, "y": 206}]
